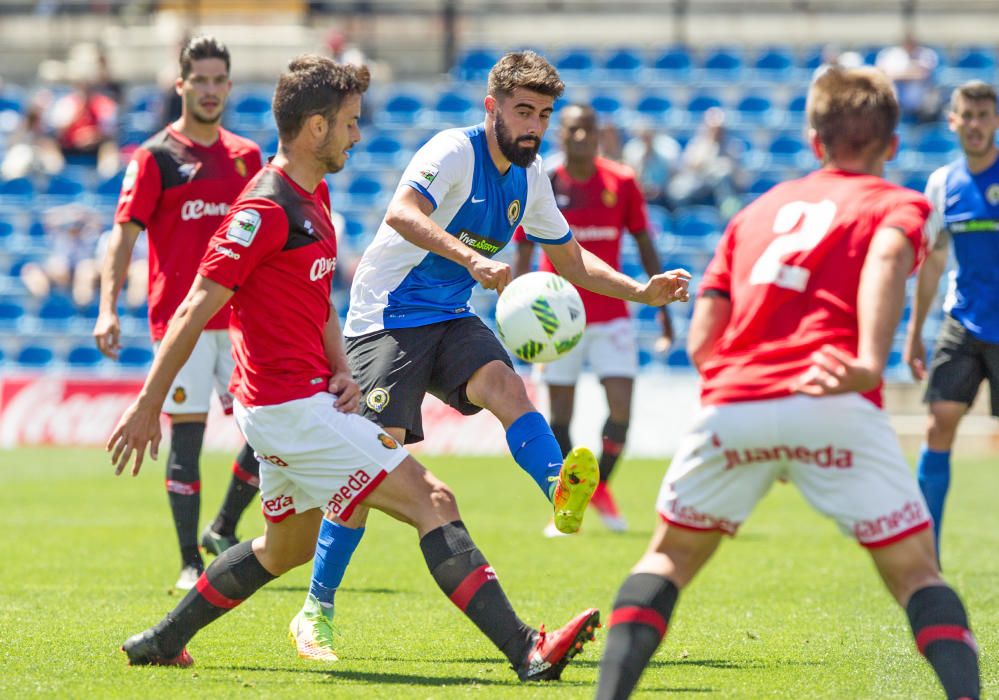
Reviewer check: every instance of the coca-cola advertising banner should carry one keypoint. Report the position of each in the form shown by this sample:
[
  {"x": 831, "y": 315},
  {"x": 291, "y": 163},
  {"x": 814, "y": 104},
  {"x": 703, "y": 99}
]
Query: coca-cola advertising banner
[{"x": 81, "y": 411}]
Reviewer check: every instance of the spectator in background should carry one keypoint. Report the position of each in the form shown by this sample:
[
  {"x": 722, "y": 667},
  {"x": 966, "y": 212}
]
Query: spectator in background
[
  {"x": 709, "y": 168},
  {"x": 610, "y": 142},
  {"x": 86, "y": 120},
  {"x": 910, "y": 67},
  {"x": 31, "y": 150},
  {"x": 71, "y": 267},
  {"x": 654, "y": 157},
  {"x": 833, "y": 56},
  {"x": 343, "y": 52}
]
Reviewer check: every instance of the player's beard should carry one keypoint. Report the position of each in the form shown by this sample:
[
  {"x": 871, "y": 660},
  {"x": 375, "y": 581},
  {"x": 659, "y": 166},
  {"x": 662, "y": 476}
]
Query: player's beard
[
  {"x": 197, "y": 115},
  {"x": 328, "y": 158},
  {"x": 512, "y": 149}
]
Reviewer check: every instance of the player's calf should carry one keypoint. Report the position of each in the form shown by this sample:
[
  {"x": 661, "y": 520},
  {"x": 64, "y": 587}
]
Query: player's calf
[{"x": 943, "y": 635}]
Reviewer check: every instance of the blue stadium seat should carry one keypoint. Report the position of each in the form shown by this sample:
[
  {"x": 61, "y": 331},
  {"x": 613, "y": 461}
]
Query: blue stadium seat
[
  {"x": 6, "y": 229},
  {"x": 475, "y": 64},
  {"x": 623, "y": 64},
  {"x": 575, "y": 64},
  {"x": 11, "y": 313},
  {"x": 774, "y": 64},
  {"x": 453, "y": 108},
  {"x": 755, "y": 110},
  {"x": 2, "y": 356},
  {"x": 107, "y": 190},
  {"x": 796, "y": 108},
  {"x": 364, "y": 191},
  {"x": 697, "y": 222},
  {"x": 252, "y": 111},
  {"x": 56, "y": 313},
  {"x": 402, "y": 109},
  {"x": 660, "y": 219},
  {"x": 678, "y": 359},
  {"x": 19, "y": 190},
  {"x": 607, "y": 106},
  {"x": 654, "y": 108},
  {"x": 970, "y": 63},
  {"x": 916, "y": 181},
  {"x": 701, "y": 103},
  {"x": 84, "y": 357},
  {"x": 62, "y": 189},
  {"x": 761, "y": 185},
  {"x": 674, "y": 64},
  {"x": 811, "y": 57},
  {"x": 135, "y": 356},
  {"x": 383, "y": 149},
  {"x": 35, "y": 356},
  {"x": 936, "y": 142},
  {"x": 723, "y": 64},
  {"x": 786, "y": 150}
]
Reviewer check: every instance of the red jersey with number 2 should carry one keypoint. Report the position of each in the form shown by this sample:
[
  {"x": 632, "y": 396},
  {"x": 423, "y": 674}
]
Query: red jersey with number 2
[{"x": 790, "y": 263}]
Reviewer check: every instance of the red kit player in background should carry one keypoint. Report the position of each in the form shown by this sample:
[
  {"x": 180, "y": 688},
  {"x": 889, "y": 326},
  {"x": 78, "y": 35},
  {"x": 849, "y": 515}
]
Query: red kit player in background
[
  {"x": 601, "y": 200},
  {"x": 791, "y": 332},
  {"x": 178, "y": 188}
]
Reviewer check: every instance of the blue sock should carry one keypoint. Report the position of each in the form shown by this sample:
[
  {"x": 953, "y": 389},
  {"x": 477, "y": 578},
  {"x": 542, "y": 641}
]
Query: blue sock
[
  {"x": 335, "y": 546},
  {"x": 535, "y": 449},
  {"x": 934, "y": 479}
]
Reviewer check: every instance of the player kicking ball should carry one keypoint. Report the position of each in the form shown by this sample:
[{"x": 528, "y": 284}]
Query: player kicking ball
[
  {"x": 411, "y": 330},
  {"x": 273, "y": 260}
]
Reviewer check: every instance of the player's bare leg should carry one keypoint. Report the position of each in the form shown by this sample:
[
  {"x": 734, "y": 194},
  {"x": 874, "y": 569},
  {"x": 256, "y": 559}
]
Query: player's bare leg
[
  {"x": 645, "y": 603},
  {"x": 568, "y": 483},
  {"x": 937, "y": 615}
]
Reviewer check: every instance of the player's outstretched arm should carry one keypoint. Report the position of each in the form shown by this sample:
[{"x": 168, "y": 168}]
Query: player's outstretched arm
[
  {"x": 586, "y": 270},
  {"x": 409, "y": 214},
  {"x": 880, "y": 299},
  {"x": 140, "y": 424},
  {"x": 107, "y": 328},
  {"x": 927, "y": 283}
]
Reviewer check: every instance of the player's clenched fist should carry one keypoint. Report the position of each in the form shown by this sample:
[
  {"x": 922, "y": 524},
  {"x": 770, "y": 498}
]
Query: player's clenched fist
[
  {"x": 491, "y": 274},
  {"x": 665, "y": 288}
]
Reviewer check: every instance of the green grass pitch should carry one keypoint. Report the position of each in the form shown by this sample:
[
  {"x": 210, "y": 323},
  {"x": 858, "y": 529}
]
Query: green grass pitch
[{"x": 788, "y": 609}]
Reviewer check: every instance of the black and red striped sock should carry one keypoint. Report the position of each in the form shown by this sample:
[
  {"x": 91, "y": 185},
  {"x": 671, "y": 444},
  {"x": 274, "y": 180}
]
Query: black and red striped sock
[
  {"x": 467, "y": 579},
  {"x": 232, "y": 578},
  {"x": 636, "y": 627},
  {"x": 183, "y": 485},
  {"x": 940, "y": 626},
  {"x": 614, "y": 435},
  {"x": 242, "y": 488}
]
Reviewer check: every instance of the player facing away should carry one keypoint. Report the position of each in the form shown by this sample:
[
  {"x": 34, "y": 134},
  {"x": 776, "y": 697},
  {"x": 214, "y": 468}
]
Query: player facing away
[
  {"x": 601, "y": 200},
  {"x": 178, "y": 188},
  {"x": 965, "y": 198},
  {"x": 410, "y": 328},
  {"x": 791, "y": 332},
  {"x": 295, "y": 400}
]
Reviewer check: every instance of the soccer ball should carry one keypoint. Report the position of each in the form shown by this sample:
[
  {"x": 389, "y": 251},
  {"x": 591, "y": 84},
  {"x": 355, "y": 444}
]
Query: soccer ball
[{"x": 540, "y": 317}]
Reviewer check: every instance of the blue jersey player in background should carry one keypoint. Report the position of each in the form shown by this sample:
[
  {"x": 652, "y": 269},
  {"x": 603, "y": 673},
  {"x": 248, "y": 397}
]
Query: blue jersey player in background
[
  {"x": 410, "y": 329},
  {"x": 965, "y": 198}
]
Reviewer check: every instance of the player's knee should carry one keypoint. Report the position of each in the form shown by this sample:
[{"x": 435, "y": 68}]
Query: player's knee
[{"x": 442, "y": 499}]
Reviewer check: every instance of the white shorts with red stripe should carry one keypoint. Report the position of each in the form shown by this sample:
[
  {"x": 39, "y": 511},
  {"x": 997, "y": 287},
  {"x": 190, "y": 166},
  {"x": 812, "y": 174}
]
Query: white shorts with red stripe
[
  {"x": 313, "y": 456},
  {"x": 840, "y": 451},
  {"x": 209, "y": 366},
  {"x": 609, "y": 349}
]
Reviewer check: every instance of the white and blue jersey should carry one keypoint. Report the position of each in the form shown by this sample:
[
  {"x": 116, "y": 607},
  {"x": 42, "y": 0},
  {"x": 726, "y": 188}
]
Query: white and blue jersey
[
  {"x": 967, "y": 206},
  {"x": 400, "y": 285}
]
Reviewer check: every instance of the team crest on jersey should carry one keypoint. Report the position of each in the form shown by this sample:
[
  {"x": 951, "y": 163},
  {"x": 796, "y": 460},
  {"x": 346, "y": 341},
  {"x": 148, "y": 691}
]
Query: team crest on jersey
[
  {"x": 428, "y": 175},
  {"x": 240, "y": 166},
  {"x": 378, "y": 399},
  {"x": 992, "y": 194},
  {"x": 387, "y": 441},
  {"x": 609, "y": 198},
  {"x": 179, "y": 395},
  {"x": 131, "y": 174},
  {"x": 513, "y": 211},
  {"x": 243, "y": 227},
  {"x": 188, "y": 170}
]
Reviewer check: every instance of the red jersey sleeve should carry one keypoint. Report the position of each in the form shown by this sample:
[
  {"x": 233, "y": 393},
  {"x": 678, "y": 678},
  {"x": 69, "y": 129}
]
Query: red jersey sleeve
[
  {"x": 251, "y": 232},
  {"x": 718, "y": 275},
  {"x": 908, "y": 213},
  {"x": 140, "y": 189},
  {"x": 519, "y": 236},
  {"x": 636, "y": 215}
]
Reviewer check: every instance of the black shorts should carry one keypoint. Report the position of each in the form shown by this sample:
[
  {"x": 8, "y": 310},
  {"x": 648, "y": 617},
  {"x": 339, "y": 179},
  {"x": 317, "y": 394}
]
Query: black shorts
[
  {"x": 396, "y": 367},
  {"x": 961, "y": 362}
]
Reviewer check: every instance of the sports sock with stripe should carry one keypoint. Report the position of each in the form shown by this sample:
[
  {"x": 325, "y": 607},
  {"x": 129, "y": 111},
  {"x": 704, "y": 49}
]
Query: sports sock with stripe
[
  {"x": 466, "y": 578},
  {"x": 535, "y": 449},
  {"x": 334, "y": 548},
  {"x": 940, "y": 626},
  {"x": 242, "y": 488},
  {"x": 232, "y": 578},
  {"x": 933, "y": 474},
  {"x": 183, "y": 485},
  {"x": 636, "y": 627}
]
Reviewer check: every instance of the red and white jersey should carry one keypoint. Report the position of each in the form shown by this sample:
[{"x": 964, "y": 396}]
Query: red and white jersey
[
  {"x": 790, "y": 262},
  {"x": 179, "y": 191},
  {"x": 276, "y": 249},
  {"x": 599, "y": 211}
]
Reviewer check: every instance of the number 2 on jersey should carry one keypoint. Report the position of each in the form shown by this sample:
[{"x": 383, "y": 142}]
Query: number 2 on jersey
[{"x": 798, "y": 227}]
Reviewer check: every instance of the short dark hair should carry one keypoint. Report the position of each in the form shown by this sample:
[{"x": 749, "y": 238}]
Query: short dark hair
[
  {"x": 199, "y": 47},
  {"x": 524, "y": 69},
  {"x": 972, "y": 91},
  {"x": 314, "y": 85},
  {"x": 853, "y": 110}
]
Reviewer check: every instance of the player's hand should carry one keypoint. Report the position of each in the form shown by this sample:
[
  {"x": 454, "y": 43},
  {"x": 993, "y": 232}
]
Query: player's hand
[
  {"x": 665, "y": 288},
  {"x": 137, "y": 428},
  {"x": 915, "y": 356},
  {"x": 834, "y": 371},
  {"x": 490, "y": 273},
  {"x": 107, "y": 334},
  {"x": 663, "y": 344},
  {"x": 348, "y": 393}
]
